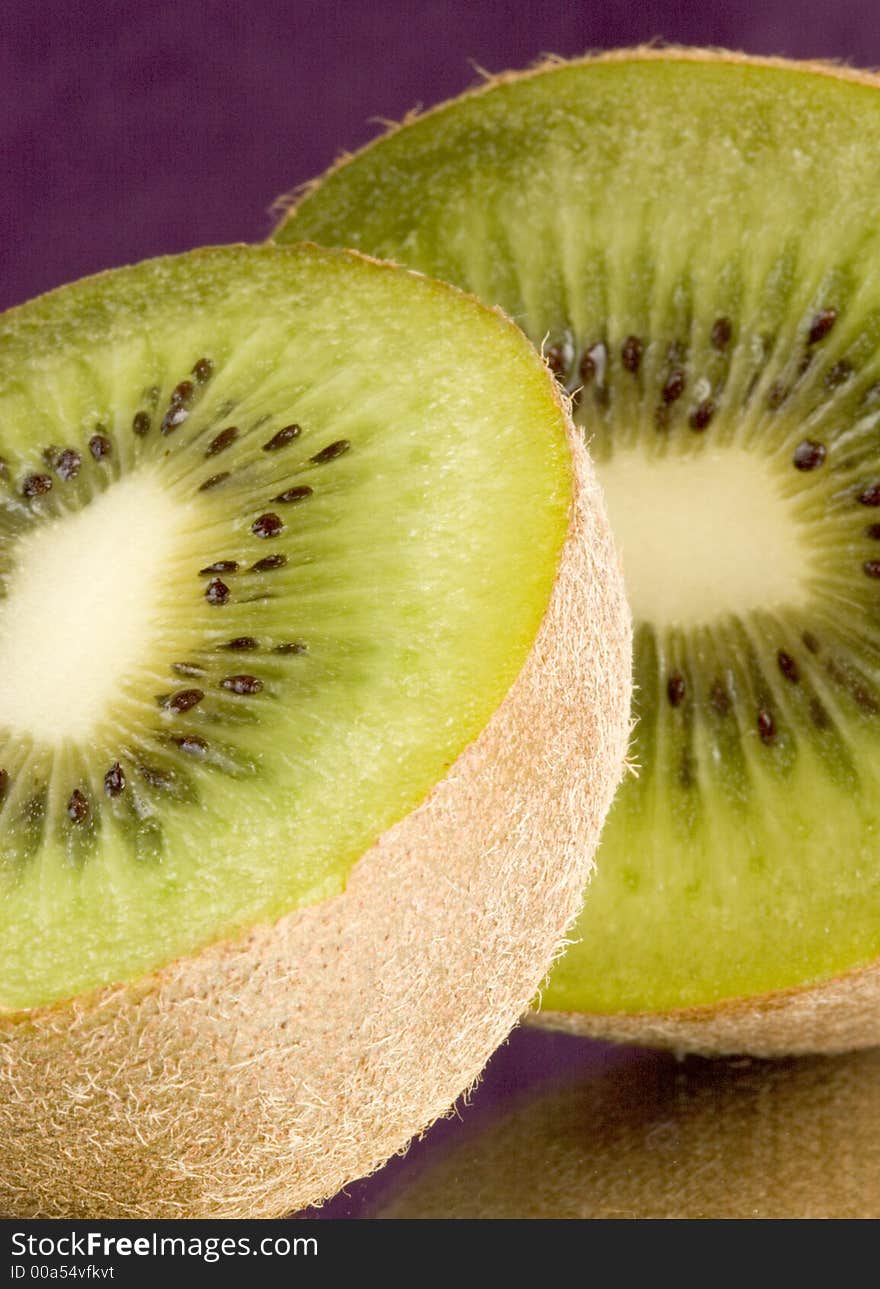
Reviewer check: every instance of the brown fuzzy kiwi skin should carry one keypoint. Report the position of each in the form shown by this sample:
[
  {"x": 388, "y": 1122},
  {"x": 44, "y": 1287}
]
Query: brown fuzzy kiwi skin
[
  {"x": 651, "y": 1137},
  {"x": 833, "y": 1015},
  {"x": 836, "y": 1015},
  {"x": 262, "y": 1074}
]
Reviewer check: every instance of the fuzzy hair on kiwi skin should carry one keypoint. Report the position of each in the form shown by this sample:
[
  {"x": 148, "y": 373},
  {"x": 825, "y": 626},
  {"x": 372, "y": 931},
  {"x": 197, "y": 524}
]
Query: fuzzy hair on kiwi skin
[
  {"x": 838, "y": 1014},
  {"x": 262, "y": 1074}
]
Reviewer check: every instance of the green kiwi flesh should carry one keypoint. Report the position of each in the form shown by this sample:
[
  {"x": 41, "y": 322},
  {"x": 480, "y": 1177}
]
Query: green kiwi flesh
[
  {"x": 263, "y": 575},
  {"x": 694, "y": 243}
]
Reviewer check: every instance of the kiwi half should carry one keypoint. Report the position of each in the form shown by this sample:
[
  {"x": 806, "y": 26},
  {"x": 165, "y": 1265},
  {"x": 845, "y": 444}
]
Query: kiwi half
[
  {"x": 692, "y": 239},
  {"x": 656, "y": 1137},
  {"x": 301, "y": 566}
]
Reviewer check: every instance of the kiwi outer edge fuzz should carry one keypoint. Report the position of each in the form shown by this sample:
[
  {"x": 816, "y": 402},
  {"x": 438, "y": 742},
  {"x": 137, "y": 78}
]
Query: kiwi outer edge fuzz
[
  {"x": 262, "y": 1073},
  {"x": 835, "y": 1014}
]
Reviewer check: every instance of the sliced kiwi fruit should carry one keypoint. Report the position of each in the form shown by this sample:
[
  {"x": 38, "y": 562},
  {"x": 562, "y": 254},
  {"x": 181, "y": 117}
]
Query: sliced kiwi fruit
[
  {"x": 288, "y": 543},
  {"x": 692, "y": 240},
  {"x": 654, "y": 1137}
]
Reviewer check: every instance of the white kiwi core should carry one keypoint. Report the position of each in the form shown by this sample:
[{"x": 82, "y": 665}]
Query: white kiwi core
[
  {"x": 83, "y": 609},
  {"x": 704, "y": 535}
]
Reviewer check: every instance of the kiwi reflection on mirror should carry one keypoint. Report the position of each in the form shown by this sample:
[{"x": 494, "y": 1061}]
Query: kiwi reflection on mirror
[{"x": 655, "y": 1137}]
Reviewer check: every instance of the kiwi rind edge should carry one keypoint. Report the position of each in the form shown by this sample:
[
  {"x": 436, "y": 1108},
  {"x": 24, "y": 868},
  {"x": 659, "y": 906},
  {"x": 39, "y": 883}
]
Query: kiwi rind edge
[{"x": 837, "y": 1015}]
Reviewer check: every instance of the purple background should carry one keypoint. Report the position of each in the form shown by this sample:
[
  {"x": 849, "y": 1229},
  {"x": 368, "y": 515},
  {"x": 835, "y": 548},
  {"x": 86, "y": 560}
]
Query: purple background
[
  {"x": 132, "y": 130},
  {"x": 129, "y": 130}
]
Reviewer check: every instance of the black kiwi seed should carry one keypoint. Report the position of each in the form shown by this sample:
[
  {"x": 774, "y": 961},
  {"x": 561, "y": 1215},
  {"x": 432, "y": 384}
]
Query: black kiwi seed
[
  {"x": 818, "y": 715},
  {"x": 821, "y": 325},
  {"x": 242, "y": 684},
  {"x": 776, "y": 395},
  {"x": 293, "y": 646},
  {"x": 284, "y": 436},
  {"x": 100, "y": 446},
  {"x": 331, "y": 452},
  {"x": 766, "y": 726},
  {"x": 222, "y": 441},
  {"x": 77, "y": 807},
  {"x": 192, "y": 745},
  {"x": 114, "y": 780},
  {"x": 720, "y": 336},
  {"x": 872, "y": 567},
  {"x": 267, "y": 525},
  {"x": 4, "y": 783},
  {"x": 673, "y": 387},
  {"x": 174, "y": 418},
  {"x": 809, "y": 455},
  {"x": 702, "y": 414},
  {"x": 216, "y": 592},
  {"x": 870, "y": 496},
  {"x": 268, "y": 564},
  {"x": 631, "y": 354},
  {"x": 36, "y": 485},
  {"x": 140, "y": 424},
  {"x": 178, "y": 407},
  {"x": 300, "y": 493},
  {"x": 873, "y": 531},
  {"x": 67, "y": 464},
  {"x": 219, "y": 566},
  {"x": 589, "y": 363},
  {"x": 852, "y": 684},
  {"x": 838, "y": 374},
  {"x": 865, "y": 699},
  {"x": 242, "y": 644},
  {"x": 720, "y": 698},
  {"x": 675, "y": 689},
  {"x": 183, "y": 700},
  {"x": 555, "y": 358},
  {"x": 203, "y": 370},
  {"x": 788, "y": 666},
  {"x": 213, "y": 481}
]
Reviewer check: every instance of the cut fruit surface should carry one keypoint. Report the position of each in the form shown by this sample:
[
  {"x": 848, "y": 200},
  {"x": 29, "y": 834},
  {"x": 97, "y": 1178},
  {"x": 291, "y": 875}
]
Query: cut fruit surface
[
  {"x": 264, "y": 576},
  {"x": 307, "y": 600},
  {"x": 693, "y": 241}
]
